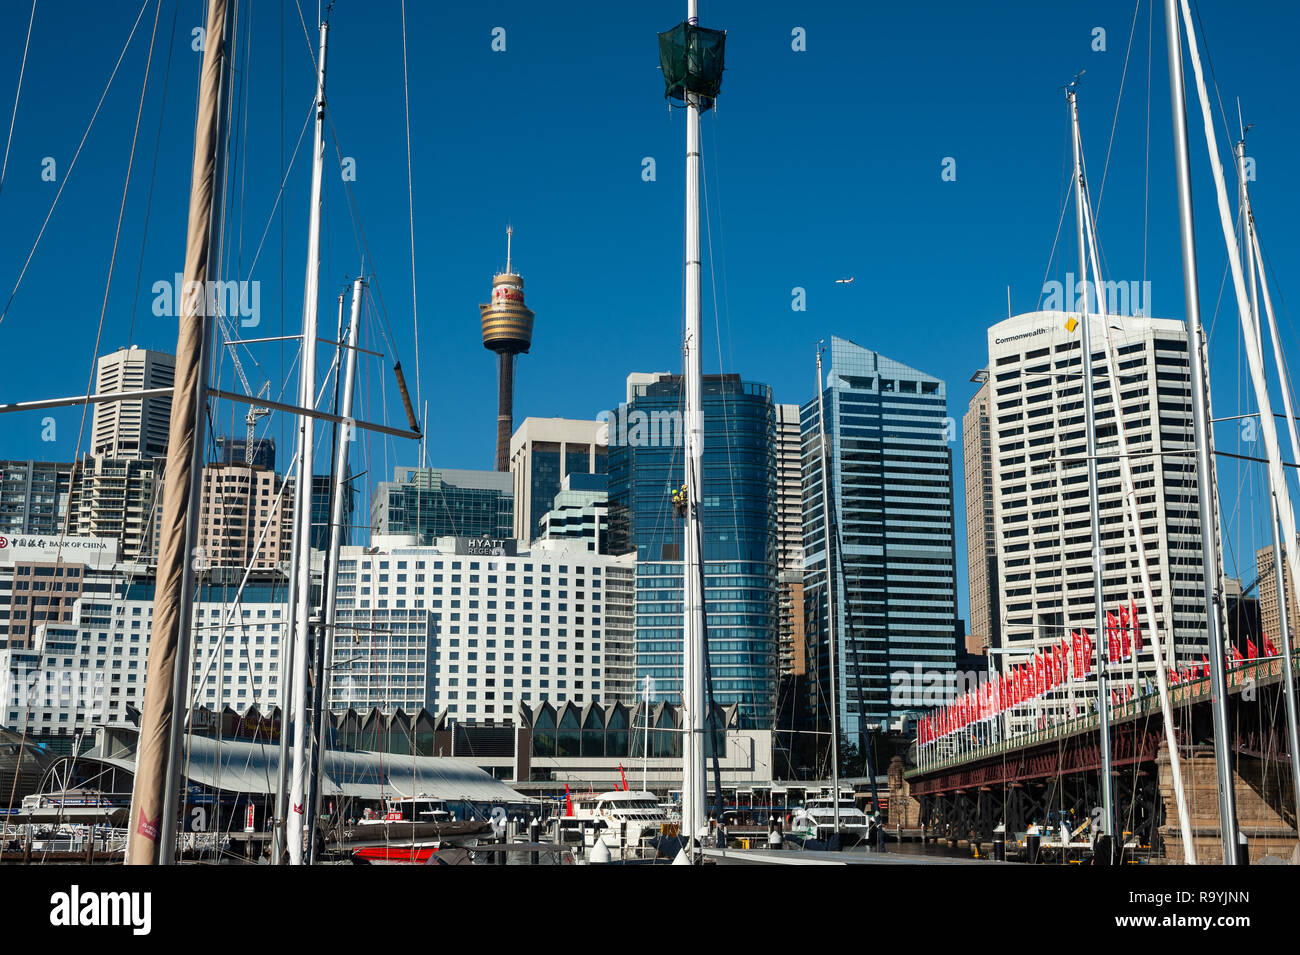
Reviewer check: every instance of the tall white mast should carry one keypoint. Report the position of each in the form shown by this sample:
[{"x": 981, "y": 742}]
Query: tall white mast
[
  {"x": 1201, "y": 429},
  {"x": 1090, "y": 428},
  {"x": 830, "y": 593},
  {"x": 294, "y": 818},
  {"x": 1284, "y": 545},
  {"x": 1134, "y": 524},
  {"x": 693, "y": 818},
  {"x": 338, "y": 531}
]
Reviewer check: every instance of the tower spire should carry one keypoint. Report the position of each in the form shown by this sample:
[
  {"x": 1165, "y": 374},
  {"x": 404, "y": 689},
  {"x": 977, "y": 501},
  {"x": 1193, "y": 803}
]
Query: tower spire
[{"x": 508, "y": 331}]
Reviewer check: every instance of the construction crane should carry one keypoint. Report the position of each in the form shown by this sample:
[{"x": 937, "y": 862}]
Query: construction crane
[
  {"x": 250, "y": 419},
  {"x": 254, "y": 412}
]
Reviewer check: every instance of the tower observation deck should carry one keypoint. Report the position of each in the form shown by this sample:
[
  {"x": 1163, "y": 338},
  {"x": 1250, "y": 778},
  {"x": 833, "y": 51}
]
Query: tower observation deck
[{"x": 508, "y": 331}]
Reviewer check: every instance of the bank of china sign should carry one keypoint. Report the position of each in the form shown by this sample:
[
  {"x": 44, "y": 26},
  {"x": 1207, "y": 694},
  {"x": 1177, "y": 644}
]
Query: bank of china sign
[{"x": 75, "y": 550}]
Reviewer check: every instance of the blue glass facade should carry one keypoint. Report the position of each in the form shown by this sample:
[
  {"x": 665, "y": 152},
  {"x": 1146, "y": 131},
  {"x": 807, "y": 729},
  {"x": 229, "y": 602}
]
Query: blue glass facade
[
  {"x": 439, "y": 502},
  {"x": 738, "y": 522},
  {"x": 891, "y": 467},
  {"x": 547, "y": 473}
]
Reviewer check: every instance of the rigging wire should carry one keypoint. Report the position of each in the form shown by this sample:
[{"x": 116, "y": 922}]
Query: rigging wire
[
  {"x": 22, "y": 69},
  {"x": 1101, "y": 189},
  {"x": 81, "y": 431},
  {"x": 153, "y": 174},
  {"x": 410, "y": 199},
  {"x": 67, "y": 175}
]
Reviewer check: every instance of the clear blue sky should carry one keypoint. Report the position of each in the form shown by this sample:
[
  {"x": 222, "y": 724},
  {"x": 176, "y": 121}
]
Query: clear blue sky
[{"x": 820, "y": 164}]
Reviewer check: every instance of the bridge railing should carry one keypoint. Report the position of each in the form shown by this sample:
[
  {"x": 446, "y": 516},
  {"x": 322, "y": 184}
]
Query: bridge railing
[{"x": 1181, "y": 694}]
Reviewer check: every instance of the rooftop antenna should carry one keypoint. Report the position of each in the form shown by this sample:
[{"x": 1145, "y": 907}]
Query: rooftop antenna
[{"x": 510, "y": 231}]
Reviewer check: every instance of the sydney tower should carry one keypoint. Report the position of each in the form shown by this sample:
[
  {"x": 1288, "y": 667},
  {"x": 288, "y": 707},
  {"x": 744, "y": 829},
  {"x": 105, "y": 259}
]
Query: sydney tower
[{"x": 508, "y": 331}]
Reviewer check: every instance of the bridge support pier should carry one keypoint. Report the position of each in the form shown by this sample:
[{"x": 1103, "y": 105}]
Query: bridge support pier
[{"x": 1263, "y": 806}]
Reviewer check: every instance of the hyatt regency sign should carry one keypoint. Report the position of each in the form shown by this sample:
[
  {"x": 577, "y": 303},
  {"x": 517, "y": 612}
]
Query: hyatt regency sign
[{"x": 487, "y": 546}]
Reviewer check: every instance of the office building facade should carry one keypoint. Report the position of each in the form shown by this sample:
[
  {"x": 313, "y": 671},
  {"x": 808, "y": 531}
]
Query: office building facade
[
  {"x": 473, "y": 629},
  {"x": 792, "y": 652},
  {"x": 90, "y": 665},
  {"x": 246, "y": 517},
  {"x": 440, "y": 502},
  {"x": 738, "y": 524},
  {"x": 543, "y": 451},
  {"x": 892, "y": 508},
  {"x": 1270, "y": 613},
  {"x": 1041, "y": 498},
  {"x": 135, "y": 429},
  {"x": 120, "y": 498},
  {"x": 34, "y": 497},
  {"x": 580, "y": 512},
  {"x": 981, "y": 545}
]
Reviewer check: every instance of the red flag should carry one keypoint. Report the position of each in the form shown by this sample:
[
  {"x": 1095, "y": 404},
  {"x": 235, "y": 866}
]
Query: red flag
[
  {"x": 1137, "y": 627},
  {"x": 1125, "y": 623},
  {"x": 568, "y": 803},
  {"x": 1269, "y": 649},
  {"x": 1076, "y": 648},
  {"x": 1252, "y": 651},
  {"x": 1112, "y": 641},
  {"x": 1206, "y": 662},
  {"x": 1114, "y": 700},
  {"x": 1088, "y": 651},
  {"x": 1173, "y": 677},
  {"x": 1236, "y": 657}
]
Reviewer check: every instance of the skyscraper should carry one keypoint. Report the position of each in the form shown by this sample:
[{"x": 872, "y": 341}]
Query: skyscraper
[
  {"x": 792, "y": 657},
  {"x": 440, "y": 502},
  {"x": 118, "y": 498},
  {"x": 1040, "y": 480},
  {"x": 34, "y": 497},
  {"x": 580, "y": 512},
  {"x": 981, "y": 545},
  {"x": 892, "y": 510},
  {"x": 243, "y": 507},
  {"x": 1270, "y": 613},
  {"x": 508, "y": 331},
  {"x": 542, "y": 453},
  {"x": 137, "y": 429},
  {"x": 738, "y": 521}
]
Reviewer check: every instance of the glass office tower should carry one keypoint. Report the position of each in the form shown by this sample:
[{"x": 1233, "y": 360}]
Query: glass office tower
[
  {"x": 890, "y": 440},
  {"x": 738, "y": 523},
  {"x": 442, "y": 502}
]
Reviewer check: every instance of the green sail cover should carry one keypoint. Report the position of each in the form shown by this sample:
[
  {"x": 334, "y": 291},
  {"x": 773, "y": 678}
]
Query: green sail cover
[{"x": 691, "y": 58}]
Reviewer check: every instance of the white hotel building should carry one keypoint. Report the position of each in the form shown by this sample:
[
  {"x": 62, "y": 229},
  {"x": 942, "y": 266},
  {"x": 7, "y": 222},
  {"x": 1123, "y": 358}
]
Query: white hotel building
[
  {"x": 84, "y": 662},
  {"x": 473, "y": 627},
  {"x": 1040, "y": 480}
]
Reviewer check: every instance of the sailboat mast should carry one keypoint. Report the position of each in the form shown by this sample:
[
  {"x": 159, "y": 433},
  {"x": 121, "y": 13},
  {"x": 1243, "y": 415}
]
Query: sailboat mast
[
  {"x": 338, "y": 531},
  {"x": 1094, "y": 509},
  {"x": 302, "y": 492},
  {"x": 693, "y": 598},
  {"x": 1134, "y": 515},
  {"x": 1283, "y": 537},
  {"x": 152, "y": 821},
  {"x": 830, "y": 593},
  {"x": 1201, "y": 428}
]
